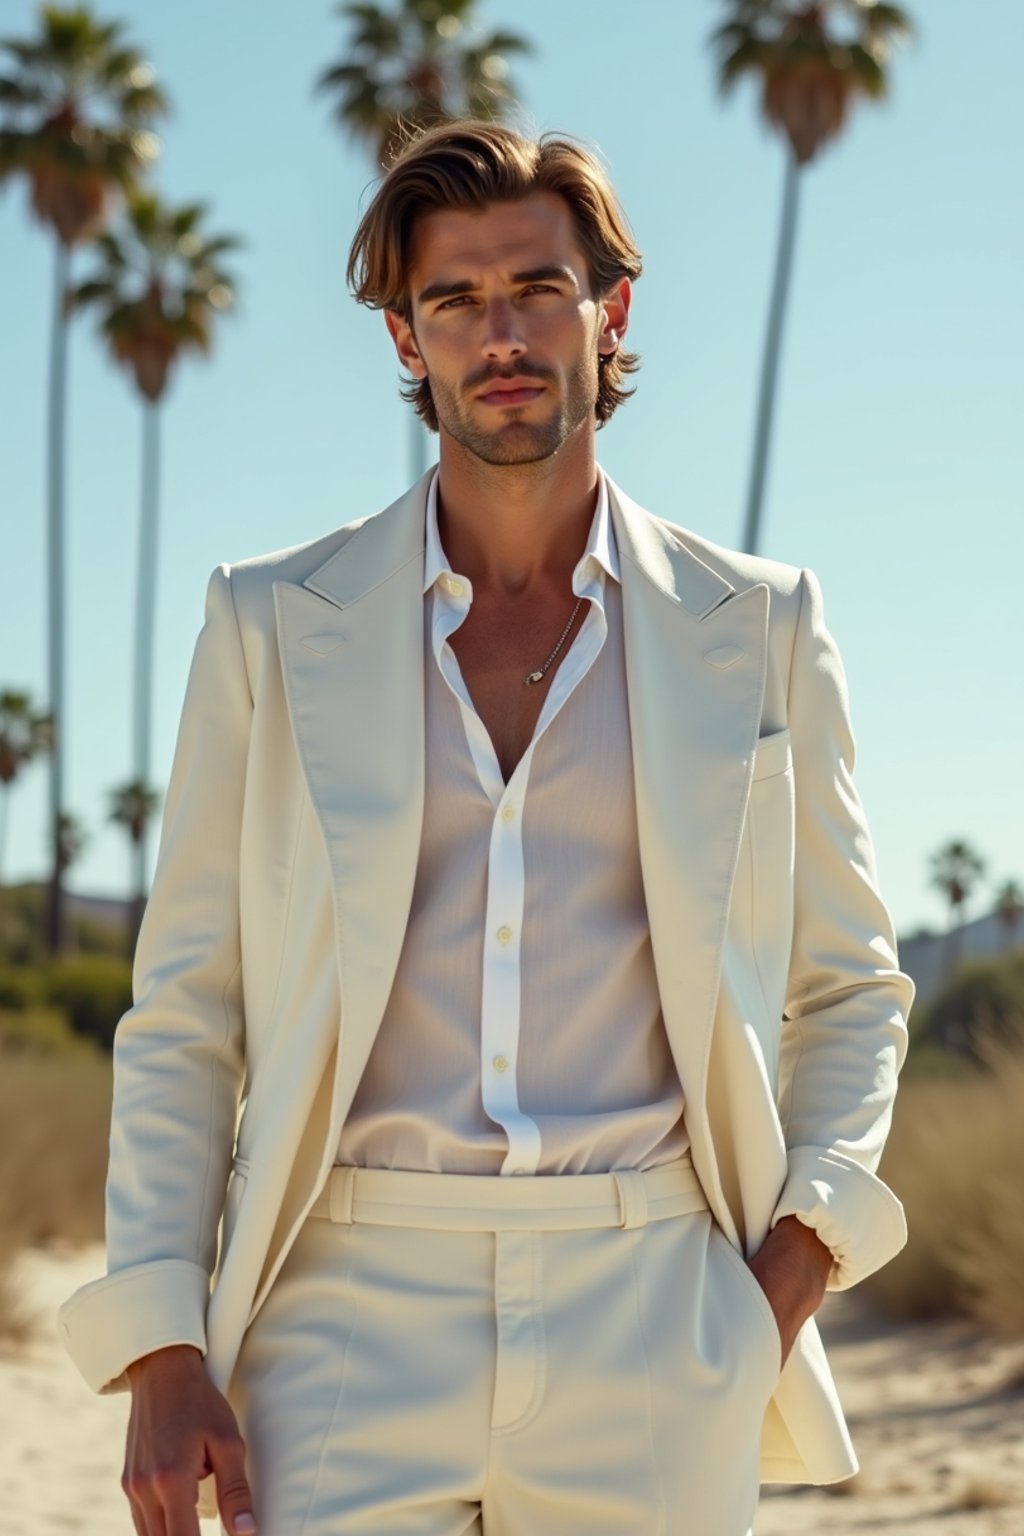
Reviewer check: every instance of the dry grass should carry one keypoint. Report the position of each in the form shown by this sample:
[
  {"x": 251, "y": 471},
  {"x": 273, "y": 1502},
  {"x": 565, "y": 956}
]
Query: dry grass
[
  {"x": 54, "y": 1130},
  {"x": 956, "y": 1159},
  {"x": 15, "y": 1322}
]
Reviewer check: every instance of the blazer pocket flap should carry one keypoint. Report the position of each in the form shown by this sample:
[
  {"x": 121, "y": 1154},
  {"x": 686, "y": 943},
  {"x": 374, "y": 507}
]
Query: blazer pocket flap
[{"x": 773, "y": 754}]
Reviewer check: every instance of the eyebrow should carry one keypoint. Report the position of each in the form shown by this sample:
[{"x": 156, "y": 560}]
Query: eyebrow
[{"x": 556, "y": 272}]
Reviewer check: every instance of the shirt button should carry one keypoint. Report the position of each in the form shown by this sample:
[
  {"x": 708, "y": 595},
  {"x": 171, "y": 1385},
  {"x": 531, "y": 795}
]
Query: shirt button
[
  {"x": 500, "y": 1063},
  {"x": 508, "y": 813},
  {"x": 504, "y": 934},
  {"x": 454, "y": 587}
]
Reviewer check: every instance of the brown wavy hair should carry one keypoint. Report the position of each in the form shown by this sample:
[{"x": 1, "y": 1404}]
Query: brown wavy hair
[{"x": 465, "y": 164}]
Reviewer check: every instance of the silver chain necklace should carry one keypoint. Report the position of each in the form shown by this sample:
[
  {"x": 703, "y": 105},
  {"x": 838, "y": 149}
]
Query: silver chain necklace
[{"x": 538, "y": 676}]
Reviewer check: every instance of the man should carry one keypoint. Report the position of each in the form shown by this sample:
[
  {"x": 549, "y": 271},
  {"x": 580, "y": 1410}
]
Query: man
[{"x": 516, "y": 927}]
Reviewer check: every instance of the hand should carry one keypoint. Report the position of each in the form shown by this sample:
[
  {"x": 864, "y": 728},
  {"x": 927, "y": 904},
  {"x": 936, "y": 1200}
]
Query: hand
[
  {"x": 792, "y": 1267},
  {"x": 180, "y": 1429}
]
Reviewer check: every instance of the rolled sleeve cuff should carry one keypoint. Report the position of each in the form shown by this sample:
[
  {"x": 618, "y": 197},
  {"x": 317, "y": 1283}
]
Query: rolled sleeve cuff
[
  {"x": 118, "y": 1318},
  {"x": 854, "y": 1214}
]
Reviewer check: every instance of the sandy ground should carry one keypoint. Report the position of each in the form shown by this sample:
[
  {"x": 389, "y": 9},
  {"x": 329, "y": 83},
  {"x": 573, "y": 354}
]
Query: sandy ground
[{"x": 936, "y": 1410}]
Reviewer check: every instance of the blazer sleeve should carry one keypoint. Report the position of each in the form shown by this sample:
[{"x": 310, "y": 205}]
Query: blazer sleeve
[
  {"x": 178, "y": 1056},
  {"x": 844, "y": 1029}
]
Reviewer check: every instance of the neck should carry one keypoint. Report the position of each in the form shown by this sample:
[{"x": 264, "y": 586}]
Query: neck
[{"x": 515, "y": 527}]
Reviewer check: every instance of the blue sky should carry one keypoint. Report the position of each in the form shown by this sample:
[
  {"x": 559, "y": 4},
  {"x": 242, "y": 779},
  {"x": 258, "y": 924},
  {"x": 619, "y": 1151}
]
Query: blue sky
[{"x": 897, "y": 460}]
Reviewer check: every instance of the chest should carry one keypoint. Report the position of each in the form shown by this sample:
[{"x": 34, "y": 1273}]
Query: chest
[{"x": 496, "y": 649}]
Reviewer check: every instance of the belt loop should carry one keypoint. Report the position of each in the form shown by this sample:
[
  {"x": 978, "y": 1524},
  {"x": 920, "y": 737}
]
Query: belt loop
[
  {"x": 632, "y": 1197},
  {"x": 340, "y": 1195}
]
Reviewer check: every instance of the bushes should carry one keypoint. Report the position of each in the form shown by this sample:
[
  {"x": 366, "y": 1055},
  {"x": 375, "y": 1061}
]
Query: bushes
[
  {"x": 983, "y": 1000},
  {"x": 955, "y": 1158},
  {"x": 94, "y": 991},
  {"x": 20, "y": 987},
  {"x": 89, "y": 992}
]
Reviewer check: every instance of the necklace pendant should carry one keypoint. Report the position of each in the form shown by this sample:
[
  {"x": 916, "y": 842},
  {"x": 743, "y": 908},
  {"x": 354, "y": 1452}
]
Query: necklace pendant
[{"x": 534, "y": 677}]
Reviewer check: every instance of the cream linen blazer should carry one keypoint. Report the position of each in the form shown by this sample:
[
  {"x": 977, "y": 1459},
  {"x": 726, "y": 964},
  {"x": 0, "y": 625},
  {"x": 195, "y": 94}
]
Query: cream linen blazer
[{"x": 282, "y": 888}]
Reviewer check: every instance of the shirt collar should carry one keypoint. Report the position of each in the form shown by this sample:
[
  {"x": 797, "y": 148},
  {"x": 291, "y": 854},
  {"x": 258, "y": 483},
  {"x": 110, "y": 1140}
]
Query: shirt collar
[{"x": 601, "y": 547}]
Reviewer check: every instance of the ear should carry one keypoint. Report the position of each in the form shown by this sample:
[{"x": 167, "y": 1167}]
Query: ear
[
  {"x": 615, "y": 316},
  {"x": 405, "y": 344}
]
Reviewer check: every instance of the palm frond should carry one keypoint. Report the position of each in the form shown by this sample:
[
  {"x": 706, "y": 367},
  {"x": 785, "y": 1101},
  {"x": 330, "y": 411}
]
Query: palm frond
[
  {"x": 141, "y": 103},
  {"x": 21, "y": 93},
  {"x": 89, "y": 292},
  {"x": 118, "y": 65},
  {"x": 338, "y": 74},
  {"x": 108, "y": 247},
  {"x": 868, "y": 71},
  {"x": 222, "y": 243},
  {"x": 509, "y": 42},
  {"x": 747, "y": 57}
]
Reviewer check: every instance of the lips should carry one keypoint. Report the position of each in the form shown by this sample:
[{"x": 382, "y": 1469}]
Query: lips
[{"x": 515, "y": 394}]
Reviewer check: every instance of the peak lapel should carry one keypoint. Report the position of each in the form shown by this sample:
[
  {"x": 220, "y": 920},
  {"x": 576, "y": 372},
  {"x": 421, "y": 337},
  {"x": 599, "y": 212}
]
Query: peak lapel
[
  {"x": 695, "y": 670},
  {"x": 351, "y": 645}
]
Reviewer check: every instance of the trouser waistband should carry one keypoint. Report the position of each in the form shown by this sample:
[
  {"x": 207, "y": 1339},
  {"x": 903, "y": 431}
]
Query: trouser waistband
[{"x": 626, "y": 1197}]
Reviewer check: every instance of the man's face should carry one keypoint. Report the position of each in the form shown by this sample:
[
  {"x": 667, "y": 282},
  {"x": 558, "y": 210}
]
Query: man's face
[{"x": 505, "y": 328}]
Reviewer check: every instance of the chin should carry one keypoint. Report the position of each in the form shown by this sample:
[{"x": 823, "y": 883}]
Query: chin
[{"x": 518, "y": 442}]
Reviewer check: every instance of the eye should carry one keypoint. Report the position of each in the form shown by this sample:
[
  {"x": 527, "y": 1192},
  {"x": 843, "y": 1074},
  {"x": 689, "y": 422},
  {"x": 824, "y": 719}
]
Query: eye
[
  {"x": 458, "y": 299},
  {"x": 541, "y": 288}
]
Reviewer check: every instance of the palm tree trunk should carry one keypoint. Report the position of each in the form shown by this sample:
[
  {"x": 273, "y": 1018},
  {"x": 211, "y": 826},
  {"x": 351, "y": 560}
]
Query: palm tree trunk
[
  {"x": 5, "y": 800},
  {"x": 770, "y": 361},
  {"x": 145, "y": 625},
  {"x": 56, "y": 924}
]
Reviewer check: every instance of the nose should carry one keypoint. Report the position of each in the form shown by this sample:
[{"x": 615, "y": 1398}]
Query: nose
[{"x": 501, "y": 341}]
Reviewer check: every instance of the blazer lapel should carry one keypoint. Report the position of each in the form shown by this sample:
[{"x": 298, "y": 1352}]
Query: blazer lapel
[
  {"x": 351, "y": 645},
  {"x": 695, "y": 669}
]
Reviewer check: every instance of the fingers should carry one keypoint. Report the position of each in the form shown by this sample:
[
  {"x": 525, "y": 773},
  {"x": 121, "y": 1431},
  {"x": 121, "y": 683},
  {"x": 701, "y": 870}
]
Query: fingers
[
  {"x": 234, "y": 1497},
  {"x": 138, "y": 1517},
  {"x": 163, "y": 1503},
  {"x": 147, "y": 1516}
]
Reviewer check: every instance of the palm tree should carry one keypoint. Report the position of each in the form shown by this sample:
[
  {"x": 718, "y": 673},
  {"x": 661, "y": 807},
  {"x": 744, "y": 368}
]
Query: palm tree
[
  {"x": 72, "y": 839},
  {"x": 956, "y": 869},
  {"x": 158, "y": 285},
  {"x": 74, "y": 72},
  {"x": 809, "y": 77},
  {"x": 1010, "y": 906},
  {"x": 403, "y": 70},
  {"x": 25, "y": 732},
  {"x": 132, "y": 806}
]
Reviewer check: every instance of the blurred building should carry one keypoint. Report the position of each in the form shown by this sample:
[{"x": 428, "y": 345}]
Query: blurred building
[{"x": 925, "y": 955}]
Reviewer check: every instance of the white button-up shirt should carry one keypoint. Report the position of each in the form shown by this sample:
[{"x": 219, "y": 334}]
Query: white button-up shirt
[{"x": 524, "y": 1032}]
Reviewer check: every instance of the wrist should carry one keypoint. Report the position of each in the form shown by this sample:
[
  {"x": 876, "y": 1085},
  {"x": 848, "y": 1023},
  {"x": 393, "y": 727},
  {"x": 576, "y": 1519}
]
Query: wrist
[
  {"x": 169, "y": 1357},
  {"x": 805, "y": 1249},
  {"x": 793, "y": 1266}
]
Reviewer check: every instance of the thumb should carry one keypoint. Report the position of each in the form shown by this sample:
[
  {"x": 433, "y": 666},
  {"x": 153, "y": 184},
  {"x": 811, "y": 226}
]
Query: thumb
[{"x": 234, "y": 1498}]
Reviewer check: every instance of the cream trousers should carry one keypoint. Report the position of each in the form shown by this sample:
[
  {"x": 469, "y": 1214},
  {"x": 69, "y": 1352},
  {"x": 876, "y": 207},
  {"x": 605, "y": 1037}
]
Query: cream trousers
[{"x": 441, "y": 1354}]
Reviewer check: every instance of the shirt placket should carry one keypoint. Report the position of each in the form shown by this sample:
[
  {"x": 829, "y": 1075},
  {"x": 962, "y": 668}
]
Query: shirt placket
[{"x": 501, "y": 998}]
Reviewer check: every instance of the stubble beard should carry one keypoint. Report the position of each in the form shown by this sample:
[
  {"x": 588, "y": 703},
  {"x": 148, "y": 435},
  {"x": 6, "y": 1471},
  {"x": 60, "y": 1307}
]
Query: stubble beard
[{"x": 518, "y": 441}]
